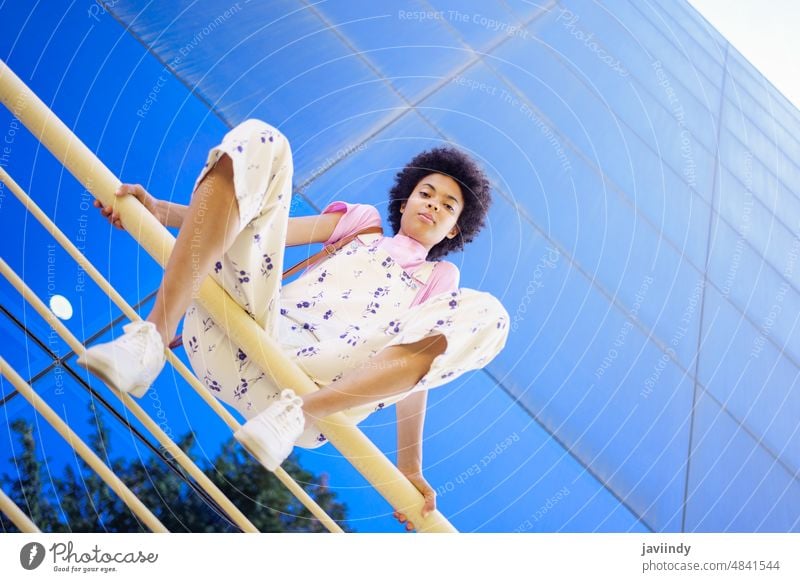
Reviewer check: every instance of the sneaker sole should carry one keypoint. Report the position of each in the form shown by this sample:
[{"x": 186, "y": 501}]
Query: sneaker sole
[
  {"x": 251, "y": 443},
  {"x": 104, "y": 370}
]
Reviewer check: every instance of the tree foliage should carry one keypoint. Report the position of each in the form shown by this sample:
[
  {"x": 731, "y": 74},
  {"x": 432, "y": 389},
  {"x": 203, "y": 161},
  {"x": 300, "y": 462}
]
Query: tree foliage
[{"x": 78, "y": 500}]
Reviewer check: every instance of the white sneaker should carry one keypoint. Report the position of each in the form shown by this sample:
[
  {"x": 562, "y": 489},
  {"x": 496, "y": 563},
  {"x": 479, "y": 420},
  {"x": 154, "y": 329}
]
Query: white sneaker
[
  {"x": 271, "y": 435},
  {"x": 130, "y": 363}
]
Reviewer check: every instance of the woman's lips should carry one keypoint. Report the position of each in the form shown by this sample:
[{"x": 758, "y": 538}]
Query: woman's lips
[{"x": 426, "y": 218}]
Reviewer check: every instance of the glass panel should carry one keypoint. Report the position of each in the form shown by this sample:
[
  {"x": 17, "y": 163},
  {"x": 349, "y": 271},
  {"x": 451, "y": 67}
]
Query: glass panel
[
  {"x": 479, "y": 24},
  {"x": 324, "y": 108},
  {"x": 597, "y": 227},
  {"x": 748, "y": 167},
  {"x": 761, "y": 227},
  {"x": 630, "y": 411},
  {"x": 689, "y": 25},
  {"x": 673, "y": 22},
  {"x": 749, "y": 79},
  {"x": 588, "y": 123},
  {"x": 526, "y": 9},
  {"x": 366, "y": 176},
  {"x": 735, "y": 485},
  {"x": 504, "y": 456},
  {"x": 600, "y": 37},
  {"x": 659, "y": 40},
  {"x": 472, "y": 461},
  {"x": 421, "y": 53},
  {"x": 755, "y": 288},
  {"x": 749, "y": 122},
  {"x": 772, "y": 161},
  {"x": 754, "y": 382}
]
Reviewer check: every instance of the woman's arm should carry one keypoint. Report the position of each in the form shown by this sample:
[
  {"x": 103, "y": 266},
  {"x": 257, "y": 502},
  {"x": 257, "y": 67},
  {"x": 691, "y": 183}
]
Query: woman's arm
[
  {"x": 166, "y": 213},
  {"x": 303, "y": 230},
  {"x": 410, "y": 422},
  {"x": 170, "y": 214}
]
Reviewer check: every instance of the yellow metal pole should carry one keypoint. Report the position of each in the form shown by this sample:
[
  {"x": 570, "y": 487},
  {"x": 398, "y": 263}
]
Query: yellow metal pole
[
  {"x": 80, "y": 447},
  {"x": 241, "y": 329},
  {"x": 233, "y": 512},
  {"x": 16, "y": 515}
]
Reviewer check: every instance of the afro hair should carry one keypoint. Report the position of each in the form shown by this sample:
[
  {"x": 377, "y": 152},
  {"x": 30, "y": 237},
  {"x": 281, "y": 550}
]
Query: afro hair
[{"x": 475, "y": 190}]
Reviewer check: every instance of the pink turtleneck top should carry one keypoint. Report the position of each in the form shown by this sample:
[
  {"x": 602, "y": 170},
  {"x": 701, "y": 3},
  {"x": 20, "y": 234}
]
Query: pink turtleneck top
[{"x": 408, "y": 253}]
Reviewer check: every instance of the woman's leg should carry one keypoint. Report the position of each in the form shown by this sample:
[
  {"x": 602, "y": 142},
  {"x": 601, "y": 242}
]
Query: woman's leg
[
  {"x": 272, "y": 434},
  {"x": 467, "y": 328},
  {"x": 236, "y": 224},
  {"x": 391, "y": 371},
  {"x": 208, "y": 230}
]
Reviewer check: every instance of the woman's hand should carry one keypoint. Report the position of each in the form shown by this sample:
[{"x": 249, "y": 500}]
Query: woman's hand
[
  {"x": 428, "y": 493},
  {"x": 150, "y": 202}
]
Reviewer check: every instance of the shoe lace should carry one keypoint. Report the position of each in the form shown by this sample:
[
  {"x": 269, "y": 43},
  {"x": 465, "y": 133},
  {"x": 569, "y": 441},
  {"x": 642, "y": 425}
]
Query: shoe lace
[
  {"x": 294, "y": 405},
  {"x": 140, "y": 343}
]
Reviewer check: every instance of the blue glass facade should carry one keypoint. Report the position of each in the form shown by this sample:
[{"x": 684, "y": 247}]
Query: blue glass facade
[{"x": 644, "y": 236}]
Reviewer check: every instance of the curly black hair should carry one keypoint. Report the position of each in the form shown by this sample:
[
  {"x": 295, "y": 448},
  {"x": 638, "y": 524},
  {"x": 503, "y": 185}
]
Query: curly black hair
[{"x": 475, "y": 190}]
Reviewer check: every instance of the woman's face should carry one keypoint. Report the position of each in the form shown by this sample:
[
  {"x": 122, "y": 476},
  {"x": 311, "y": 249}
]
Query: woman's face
[{"x": 431, "y": 212}]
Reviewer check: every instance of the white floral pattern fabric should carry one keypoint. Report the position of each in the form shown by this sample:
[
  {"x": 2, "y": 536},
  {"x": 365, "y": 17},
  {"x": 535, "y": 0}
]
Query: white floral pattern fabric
[{"x": 338, "y": 313}]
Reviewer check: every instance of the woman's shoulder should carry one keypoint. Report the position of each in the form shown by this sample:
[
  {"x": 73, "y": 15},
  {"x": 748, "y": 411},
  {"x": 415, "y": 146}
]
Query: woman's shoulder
[
  {"x": 442, "y": 266},
  {"x": 445, "y": 275},
  {"x": 356, "y": 217},
  {"x": 354, "y": 210}
]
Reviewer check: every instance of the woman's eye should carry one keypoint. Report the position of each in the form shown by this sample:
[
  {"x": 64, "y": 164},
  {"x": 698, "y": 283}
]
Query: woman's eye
[
  {"x": 424, "y": 193},
  {"x": 450, "y": 208}
]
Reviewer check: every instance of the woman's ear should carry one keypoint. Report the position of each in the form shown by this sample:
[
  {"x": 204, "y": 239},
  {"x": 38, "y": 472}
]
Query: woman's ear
[
  {"x": 402, "y": 207},
  {"x": 453, "y": 232}
]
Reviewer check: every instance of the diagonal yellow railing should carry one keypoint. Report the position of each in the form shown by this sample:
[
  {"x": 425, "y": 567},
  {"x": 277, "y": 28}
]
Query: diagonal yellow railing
[
  {"x": 87, "y": 454},
  {"x": 168, "y": 445},
  {"x": 242, "y": 329},
  {"x": 163, "y": 439},
  {"x": 16, "y": 515}
]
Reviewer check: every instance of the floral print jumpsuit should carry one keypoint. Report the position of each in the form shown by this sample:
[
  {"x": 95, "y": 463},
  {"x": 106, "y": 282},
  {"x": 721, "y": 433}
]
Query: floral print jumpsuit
[{"x": 337, "y": 313}]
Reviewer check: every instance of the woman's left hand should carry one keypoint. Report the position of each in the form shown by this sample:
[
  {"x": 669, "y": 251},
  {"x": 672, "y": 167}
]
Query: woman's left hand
[{"x": 428, "y": 493}]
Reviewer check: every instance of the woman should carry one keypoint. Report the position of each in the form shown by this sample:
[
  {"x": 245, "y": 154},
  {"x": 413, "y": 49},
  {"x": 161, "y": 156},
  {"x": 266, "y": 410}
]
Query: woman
[{"x": 379, "y": 322}]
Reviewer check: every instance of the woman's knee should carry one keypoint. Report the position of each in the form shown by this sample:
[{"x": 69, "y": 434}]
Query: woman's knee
[
  {"x": 253, "y": 124},
  {"x": 217, "y": 186},
  {"x": 222, "y": 170},
  {"x": 484, "y": 305},
  {"x": 259, "y": 131},
  {"x": 428, "y": 347}
]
